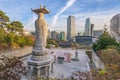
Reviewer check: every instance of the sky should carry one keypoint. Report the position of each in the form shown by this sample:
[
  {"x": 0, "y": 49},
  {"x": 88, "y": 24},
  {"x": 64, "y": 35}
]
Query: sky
[{"x": 99, "y": 11}]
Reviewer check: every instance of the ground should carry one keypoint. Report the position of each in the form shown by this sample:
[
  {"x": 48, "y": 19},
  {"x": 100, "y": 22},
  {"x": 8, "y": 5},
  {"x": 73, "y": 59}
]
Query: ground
[{"x": 67, "y": 68}]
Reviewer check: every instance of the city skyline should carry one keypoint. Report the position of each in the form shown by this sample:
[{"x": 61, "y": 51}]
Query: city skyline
[{"x": 99, "y": 11}]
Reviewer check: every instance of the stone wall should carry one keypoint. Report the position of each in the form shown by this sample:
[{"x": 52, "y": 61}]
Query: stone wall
[
  {"x": 17, "y": 52},
  {"x": 97, "y": 61}
]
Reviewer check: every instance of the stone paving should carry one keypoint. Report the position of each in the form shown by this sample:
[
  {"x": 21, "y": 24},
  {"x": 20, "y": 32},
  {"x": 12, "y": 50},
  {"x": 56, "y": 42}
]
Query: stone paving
[{"x": 66, "y": 69}]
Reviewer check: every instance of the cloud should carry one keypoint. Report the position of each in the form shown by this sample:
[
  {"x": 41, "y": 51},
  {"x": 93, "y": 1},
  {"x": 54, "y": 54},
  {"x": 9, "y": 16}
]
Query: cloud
[
  {"x": 98, "y": 18},
  {"x": 68, "y": 4},
  {"x": 31, "y": 23}
]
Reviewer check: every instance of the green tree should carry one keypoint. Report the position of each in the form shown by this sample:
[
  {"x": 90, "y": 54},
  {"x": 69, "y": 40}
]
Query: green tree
[
  {"x": 104, "y": 40},
  {"x": 15, "y": 26},
  {"x": 3, "y": 17},
  {"x": 2, "y": 35},
  {"x": 28, "y": 40},
  {"x": 13, "y": 37},
  {"x": 53, "y": 42},
  {"x": 9, "y": 38},
  {"x": 21, "y": 41}
]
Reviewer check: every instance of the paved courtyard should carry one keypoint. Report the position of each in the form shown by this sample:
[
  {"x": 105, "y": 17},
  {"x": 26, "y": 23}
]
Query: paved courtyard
[{"x": 67, "y": 68}]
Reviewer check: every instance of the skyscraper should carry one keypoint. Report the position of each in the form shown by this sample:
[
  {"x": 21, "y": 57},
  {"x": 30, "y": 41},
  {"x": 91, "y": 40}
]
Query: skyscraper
[
  {"x": 87, "y": 31},
  {"x": 70, "y": 27},
  {"x": 115, "y": 27}
]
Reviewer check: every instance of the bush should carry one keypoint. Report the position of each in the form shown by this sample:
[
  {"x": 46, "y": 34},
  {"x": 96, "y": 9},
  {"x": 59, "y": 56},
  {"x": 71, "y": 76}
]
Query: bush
[{"x": 11, "y": 68}]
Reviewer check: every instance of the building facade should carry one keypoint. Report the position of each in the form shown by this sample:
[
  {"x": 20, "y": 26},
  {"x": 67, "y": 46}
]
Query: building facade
[
  {"x": 115, "y": 27},
  {"x": 92, "y": 29},
  {"x": 62, "y": 36},
  {"x": 54, "y": 35},
  {"x": 70, "y": 27},
  {"x": 97, "y": 33},
  {"x": 88, "y": 31},
  {"x": 86, "y": 40}
]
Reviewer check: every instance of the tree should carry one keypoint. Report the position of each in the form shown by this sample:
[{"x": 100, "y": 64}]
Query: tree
[
  {"x": 104, "y": 40},
  {"x": 21, "y": 41},
  {"x": 15, "y": 26},
  {"x": 2, "y": 35},
  {"x": 28, "y": 40},
  {"x": 53, "y": 42},
  {"x": 3, "y": 17},
  {"x": 10, "y": 37},
  {"x": 13, "y": 37}
]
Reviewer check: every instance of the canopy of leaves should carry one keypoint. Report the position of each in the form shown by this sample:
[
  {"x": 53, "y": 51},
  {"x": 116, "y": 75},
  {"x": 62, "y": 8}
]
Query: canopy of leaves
[
  {"x": 15, "y": 26},
  {"x": 53, "y": 42},
  {"x": 11, "y": 34},
  {"x": 3, "y": 17},
  {"x": 103, "y": 41}
]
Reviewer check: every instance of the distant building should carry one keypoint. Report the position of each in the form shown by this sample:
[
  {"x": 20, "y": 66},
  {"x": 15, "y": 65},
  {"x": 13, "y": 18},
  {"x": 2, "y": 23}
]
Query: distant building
[
  {"x": 115, "y": 27},
  {"x": 65, "y": 44},
  {"x": 78, "y": 34},
  {"x": 97, "y": 33},
  {"x": 87, "y": 30},
  {"x": 70, "y": 27},
  {"x": 54, "y": 35},
  {"x": 87, "y": 40},
  {"x": 92, "y": 30},
  {"x": 49, "y": 34},
  {"x": 62, "y": 36}
]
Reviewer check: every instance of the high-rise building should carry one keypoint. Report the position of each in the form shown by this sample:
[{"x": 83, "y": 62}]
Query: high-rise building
[
  {"x": 54, "y": 35},
  {"x": 62, "y": 36},
  {"x": 87, "y": 31},
  {"x": 115, "y": 27},
  {"x": 70, "y": 27}
]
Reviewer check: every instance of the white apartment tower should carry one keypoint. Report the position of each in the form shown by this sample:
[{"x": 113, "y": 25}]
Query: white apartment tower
[{"x": 70, "y": 27}]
